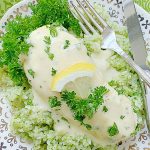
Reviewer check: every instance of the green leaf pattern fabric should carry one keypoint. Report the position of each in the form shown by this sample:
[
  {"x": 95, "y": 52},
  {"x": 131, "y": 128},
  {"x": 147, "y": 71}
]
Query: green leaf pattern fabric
[
  {"x": 5, "y": 4},
  {"x": 144, "y": 3}
]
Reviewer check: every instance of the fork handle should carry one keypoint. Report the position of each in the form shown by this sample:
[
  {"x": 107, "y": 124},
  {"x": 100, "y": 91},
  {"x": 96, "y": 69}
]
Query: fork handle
[{"x": 138, "y": 69}]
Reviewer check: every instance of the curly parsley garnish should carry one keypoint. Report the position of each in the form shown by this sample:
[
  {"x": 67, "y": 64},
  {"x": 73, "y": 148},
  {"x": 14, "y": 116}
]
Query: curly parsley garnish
[
  {"x": 67, "y": 44},
  {"x": 53, "y": 102},
  {"x": 83, "y": 108},
  {"x": 17, "y": 32},
  {"x": 113, "y": 130}
]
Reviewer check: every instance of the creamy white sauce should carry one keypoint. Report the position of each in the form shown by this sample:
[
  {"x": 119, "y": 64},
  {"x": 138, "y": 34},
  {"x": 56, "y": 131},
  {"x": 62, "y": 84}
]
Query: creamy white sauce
[
  {"x": 104, "y": 72},
  {"x": 118, "y": 105}
]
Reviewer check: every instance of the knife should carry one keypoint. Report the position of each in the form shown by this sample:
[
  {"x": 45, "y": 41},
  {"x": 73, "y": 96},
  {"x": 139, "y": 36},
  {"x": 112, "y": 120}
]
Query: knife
[{"x": 138, "y": 48}]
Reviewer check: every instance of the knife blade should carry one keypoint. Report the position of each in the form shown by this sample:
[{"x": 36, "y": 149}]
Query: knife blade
[
  {"x": 135, "y": 34},
  {"x": 137, "y": 46}
]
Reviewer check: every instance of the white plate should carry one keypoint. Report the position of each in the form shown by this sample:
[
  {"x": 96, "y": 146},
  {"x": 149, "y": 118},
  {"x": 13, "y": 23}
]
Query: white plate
[{"x": 115, "y": 9}]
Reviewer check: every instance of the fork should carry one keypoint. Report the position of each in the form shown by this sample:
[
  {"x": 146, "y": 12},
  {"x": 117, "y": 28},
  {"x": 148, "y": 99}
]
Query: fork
[{"x": 109, "y": 37}]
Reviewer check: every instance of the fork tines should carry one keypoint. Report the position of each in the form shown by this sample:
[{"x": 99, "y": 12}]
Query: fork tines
[{"x": 89, "y": 13}]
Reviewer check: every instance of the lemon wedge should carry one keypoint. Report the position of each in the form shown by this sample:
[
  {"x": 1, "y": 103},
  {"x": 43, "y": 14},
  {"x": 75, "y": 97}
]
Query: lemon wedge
[{"x": 70, "y": 74}]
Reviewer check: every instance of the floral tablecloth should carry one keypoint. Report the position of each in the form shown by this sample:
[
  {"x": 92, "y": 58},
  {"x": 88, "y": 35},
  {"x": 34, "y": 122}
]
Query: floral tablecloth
[
  {"x": 11, "y": 142},
  {"x": 5, "y": 4}
]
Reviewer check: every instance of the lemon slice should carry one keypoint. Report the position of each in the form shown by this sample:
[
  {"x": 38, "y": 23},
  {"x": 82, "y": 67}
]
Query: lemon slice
[{"x": 70, "y": 74}]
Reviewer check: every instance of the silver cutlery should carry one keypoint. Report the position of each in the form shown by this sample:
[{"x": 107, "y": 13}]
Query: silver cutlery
[{"x": 137, "y": 46}]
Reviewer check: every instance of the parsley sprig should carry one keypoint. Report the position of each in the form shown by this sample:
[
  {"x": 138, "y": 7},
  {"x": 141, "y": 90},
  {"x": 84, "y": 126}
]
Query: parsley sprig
[{"x": 83, "y": 108}]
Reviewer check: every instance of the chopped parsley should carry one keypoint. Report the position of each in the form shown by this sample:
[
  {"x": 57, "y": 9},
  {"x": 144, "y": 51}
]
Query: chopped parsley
[
  {"x": 83, "y": 108},
  {"x": 51, "y": 56},
  {"x": 18, "y": 30},
  {"x": 113, "y": 130},
  {"x": 105, "y": 109},
  {"x": 67, "y": 43},
  {"x": 63, "y": 118},
  {"x": 53, "y": 72},
  {"x": 122, "y": 117},
  {"x": 53, "y": 31},
  {"x": 31, "y": 72},
  {"x": 53, "y": 102},
  {"x": 88, "y": 126},
  {"x": 47, "y": 40},
  {"x": 47, "y": 50}
]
